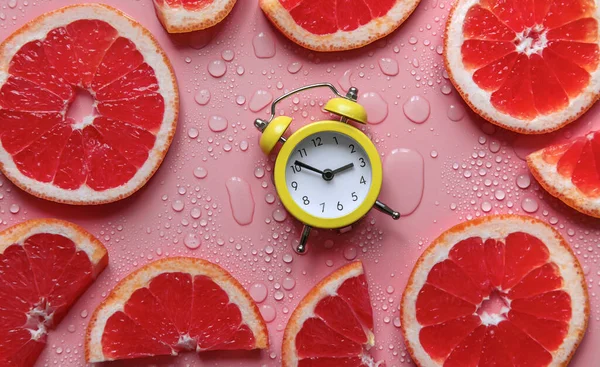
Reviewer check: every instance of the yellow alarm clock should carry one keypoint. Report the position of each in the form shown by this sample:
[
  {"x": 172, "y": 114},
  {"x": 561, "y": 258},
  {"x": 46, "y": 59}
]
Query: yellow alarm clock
[{"x": 328, "y": 174}]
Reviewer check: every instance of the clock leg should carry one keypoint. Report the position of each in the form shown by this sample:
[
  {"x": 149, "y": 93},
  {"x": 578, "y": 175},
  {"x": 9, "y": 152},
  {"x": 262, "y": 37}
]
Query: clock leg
[
  {"x": 387, "y": 210},
  {"x": 301, "y": 249}
]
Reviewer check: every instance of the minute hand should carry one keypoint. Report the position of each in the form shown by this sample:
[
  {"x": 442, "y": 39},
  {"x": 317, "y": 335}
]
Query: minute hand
[{"x": 343, "y": 168}]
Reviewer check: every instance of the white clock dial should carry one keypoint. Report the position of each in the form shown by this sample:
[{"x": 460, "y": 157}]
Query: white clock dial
[{"x": 334, "y": 154}]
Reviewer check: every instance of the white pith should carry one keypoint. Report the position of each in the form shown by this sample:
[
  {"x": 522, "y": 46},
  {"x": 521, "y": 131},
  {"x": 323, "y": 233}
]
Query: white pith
[
  {"x": 153, "y": 55},
  {"x": 300, "y": 315},
  {"x": 480, "y": 99},
  {"x": 340, "y": 40},
  {"x": 176, "y": 19},
  {"x": 141, "y": 278},
  {"x": 499, "y": 228},
  {"x": 557, "y": 184}
]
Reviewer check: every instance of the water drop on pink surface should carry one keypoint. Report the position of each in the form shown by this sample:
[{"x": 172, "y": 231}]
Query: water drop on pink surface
[
  {"x": 287, "y": 258},
  {"x": 227, "y": 55},
  {"x": 279, "y": 215},
  {"x": 217, "y": 68},
  {"x": 193, "y": 132},
  {"x": 196, "y": 213},
  {"x": 523, "y": 180},
  {"x": 376, "y": 106},
  {"x": 240, "y": 200},
  {"x": 404, "y": 196},
  {"x": 259, "y": 100},
  {"x": 417, "y": 109},
  {"x": 268, "y": 313},
  {"x": 288, "y": 283},
  {"x": 217, "y": 123},
  {"x": 456, "y": 112},
  {"x": 12, "y": 4},
  {"x": 388, "y": 66},
  {"x": 350, "y": 253},
  {"x": 486, "y": 206},
  {"x": 294, "y": 67},
  {"x": 240, "y": 100},
  {"x": 191, "y": 241},
  {"x": 264, "y": 45},
  {"x": 178, "y": 205},
  {"x": 344, "y": 80},
  {"x": 499, "y": 194},
  {"x": 529, "y": 204},
  {"x": 200, "y": 172},
  {"x": 258, "y": 292},
  {"x": 244, "y": 145},
  {"x": 14, "y": 208},
  {"x": 494, "y": 147},
  {"x": 202, "y": 97}
]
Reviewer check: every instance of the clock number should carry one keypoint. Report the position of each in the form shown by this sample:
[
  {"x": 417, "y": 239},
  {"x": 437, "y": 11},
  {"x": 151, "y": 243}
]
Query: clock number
[
  {"x": 296, "y": 168},
  {"x": 302, "y": 152},
  {"x": 362, "y": 180},
  {"x": 362, "y": 162},
  {"x": 354, "y": 196},
  {"x": 305, "y": 200},
  {"x": 336, "y": 142},
  {"x": 295, "y": 185},
  {"x": 317, "y": 141},
  {"x": 352, "y": 150},
  {"x": 322, "y": 207},
  {"x": 340, "y": 207}
]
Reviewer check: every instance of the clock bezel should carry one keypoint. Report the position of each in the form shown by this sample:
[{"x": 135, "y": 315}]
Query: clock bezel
[{"x": 288, "y": 148}]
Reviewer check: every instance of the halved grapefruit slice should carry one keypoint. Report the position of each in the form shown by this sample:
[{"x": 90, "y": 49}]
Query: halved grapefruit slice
[
  {"x": 502, "y": 290},
  {"x": 530, "y": 67},
  {"x": 174, "y": 305},
  {"x": 333, "y": 324},
  {"x": 109, "y": 155},
  {"x": 337, "y": 25},
  {"x": 571, "y": 172},
  {"x": 181, "y": 16},
  {"x": 45, "y": 265}
]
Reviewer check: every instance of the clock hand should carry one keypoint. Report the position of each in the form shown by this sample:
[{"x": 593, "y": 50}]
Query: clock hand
[
  {"x": 342, "y": 169},
  {"x": 310, "y": 168}
]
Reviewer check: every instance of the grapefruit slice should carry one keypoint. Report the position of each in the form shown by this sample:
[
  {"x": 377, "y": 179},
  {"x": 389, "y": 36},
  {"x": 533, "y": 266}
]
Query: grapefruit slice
[
  {"x": 337, "y": 25},
  {"x": 84, "y": 49},
  {"x": 502, "y": 290},
  {"x": 181, "y": 16},
  {"x": 174, "y": 305},
  {"x": 530, "y": 67},
  {"x": 333, "y": 324},
  {"x": 571, "y": 172},
  {"x": 45, "y": 265}
]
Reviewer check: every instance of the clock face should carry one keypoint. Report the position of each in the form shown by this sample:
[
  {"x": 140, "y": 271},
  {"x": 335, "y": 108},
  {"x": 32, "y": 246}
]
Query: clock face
[{"x": 328, "y": 174}]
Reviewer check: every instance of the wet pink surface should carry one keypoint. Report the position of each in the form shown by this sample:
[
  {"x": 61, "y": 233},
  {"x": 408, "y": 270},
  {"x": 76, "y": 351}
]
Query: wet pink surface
[{"x": 470, "y": 169}]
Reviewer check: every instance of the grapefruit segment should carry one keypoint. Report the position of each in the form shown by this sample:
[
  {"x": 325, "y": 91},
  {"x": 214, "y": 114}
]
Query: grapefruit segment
[
  {"x": 337, "y": 25},
  {"x": 174, "y": 305},
  {"x": 333, "y": 324},
  {"x": 181, "y": 16},
  {"x": 95, "y": 50},
  {"x": 528, "y": 315},
  {"x": 549, "y": 81},
  {"x": 45, "y": 265},
  {"x": 571, "y": 172}
]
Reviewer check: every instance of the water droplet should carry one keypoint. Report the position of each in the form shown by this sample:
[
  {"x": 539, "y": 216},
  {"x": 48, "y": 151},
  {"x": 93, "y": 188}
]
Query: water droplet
[
  {"x": 523, "y": 180},
  {"x": 499, "y": 194},
  {"x": 350, "y": 253},
  {"x": 59, "y": 350},
  {"x": 217, "y": 123},
  {"x": 494, "y": 146},
  {"x": 241, "y": 200},
  {"x": 397, "y": 321},
  {"x": 244, "y": 145},
  {"x": 264, "y": 45},
  {"x": 12, "y": 4},
  {"x": 240, "y": 100},
  {"x": 529, "y": 204},
  {"x": 270, "y": 198},
  {"x": 278, "y": 295},
  {"x": 287, "y": 258},
  {"x": 407, "y": 163},
  {"x": 227, "y": 55},
  {"x": 14, "y": 208},
  {"x": 202, "y": 97},
  {"x": 200, "y": 172},
  {"x": 279, "y": 215},
  {"x": 446, "y": 89},
  {"x": 388, "y": 66},
  {"x": 433, "y": 154},
  {"x": 217, "y": 68},
  {"x": 178, "y": 205},
  {"x": 294, "y": 67},
  {"x": 486, "y": 206},
  {"x": 259, "y": 172},
  {"x": 376, "y": 106},
  {"x": 417, "y": 109},
  {"x": 456, "y": 112},
  {"x": 240, "y": 70},
  {"x": 329, "y": 262},
  {"x": 196, "y": 213},
  {"x": 413, "y": 40},
  {"x": 191, "y": 241},
  {"x": 344, "y": 80},
  {"x": 328, "y": 244},
  {"x": 288, "y": 283},
  {"x": 84, "y": 314},
  {"x": 390, "y": 289},
  {"x": 193, "y": 132},
  {"x": 259, "y": 100},
  {"x": 258, "y": 292},
  {"x": 268, "y": 313},
  {"x": 188, "y": 60},
  {"x": 71, "y": 328}
]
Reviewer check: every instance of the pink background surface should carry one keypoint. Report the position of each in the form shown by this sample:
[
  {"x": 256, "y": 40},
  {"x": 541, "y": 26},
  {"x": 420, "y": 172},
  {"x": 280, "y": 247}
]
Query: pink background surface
[{"x": 474, "y": 166}]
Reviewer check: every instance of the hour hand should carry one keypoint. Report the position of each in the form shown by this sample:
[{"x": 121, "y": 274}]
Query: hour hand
[
  {"x": 343, "y": 168},
  {"x": 310, "y": 168}
]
